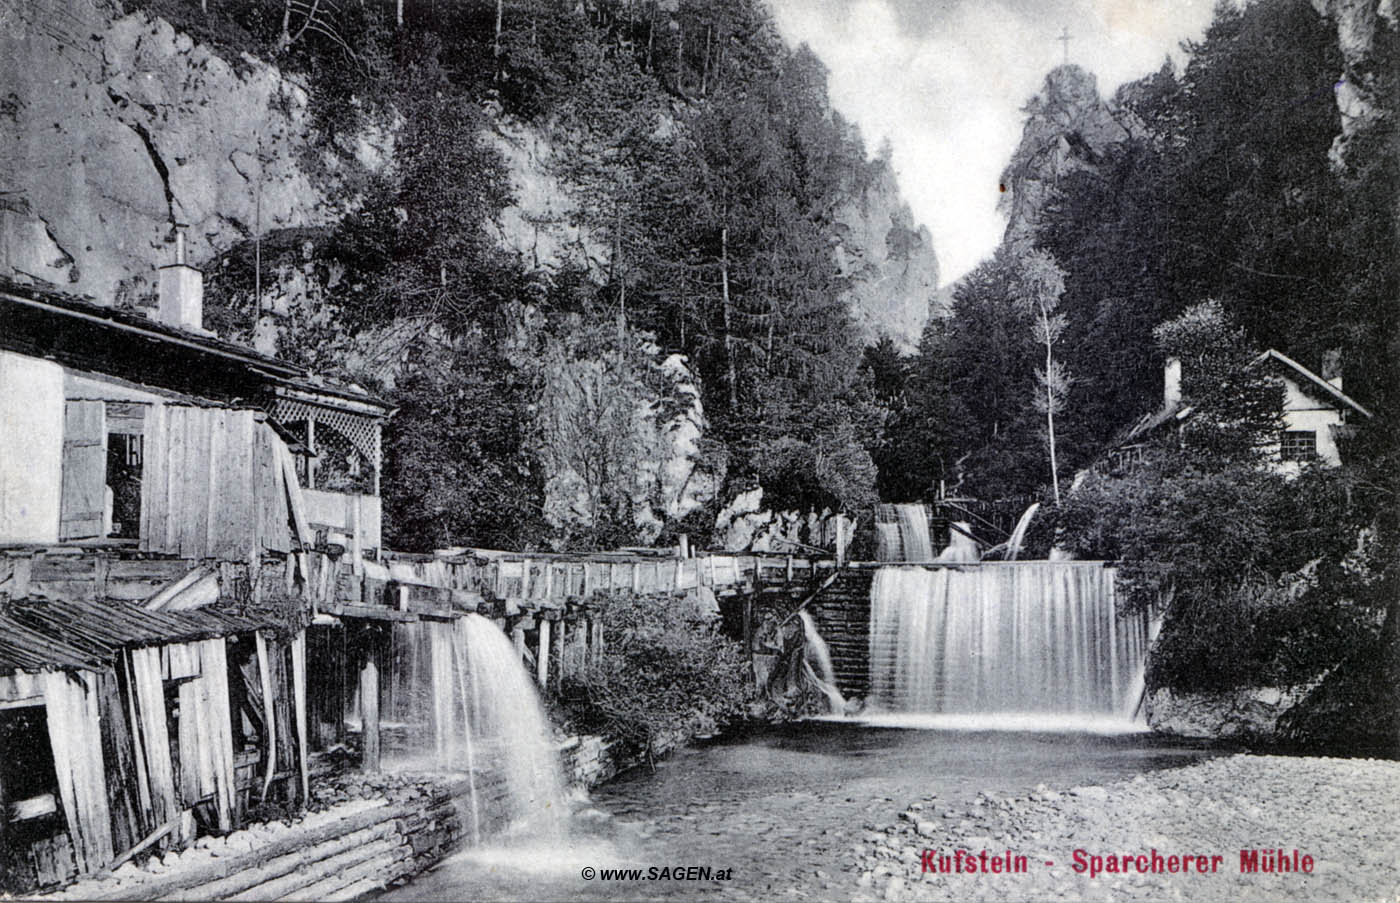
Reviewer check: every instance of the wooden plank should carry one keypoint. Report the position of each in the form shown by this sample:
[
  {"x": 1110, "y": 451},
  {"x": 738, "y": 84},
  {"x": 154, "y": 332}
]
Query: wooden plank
[
  {"x": 542, "y": 656},
  {"x": 118, "y": 764},
  {"x": 83, "y": 503}
]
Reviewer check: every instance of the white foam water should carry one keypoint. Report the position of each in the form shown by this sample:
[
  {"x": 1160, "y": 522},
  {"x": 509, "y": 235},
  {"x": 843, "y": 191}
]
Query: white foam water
[
  {"x": 463, "y": 681},
  {"x": 1025, "y": 640}
]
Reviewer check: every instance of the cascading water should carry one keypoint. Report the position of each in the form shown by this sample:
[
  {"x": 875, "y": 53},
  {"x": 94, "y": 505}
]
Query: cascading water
[
  {"x": 961, "y": 546},
  {"x": 902, "y": 533},
  {"x": 462, "y": 680},
  {"x": 1018, "y": 535},
  {"x": 817, "y": 651},
  {"x": 1033, "y": 638}
]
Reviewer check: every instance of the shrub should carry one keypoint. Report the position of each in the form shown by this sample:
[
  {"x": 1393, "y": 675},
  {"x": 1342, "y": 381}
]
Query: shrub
[
  {"x": 665, "y": 670},
  {"x": 1265, "y": 580}
]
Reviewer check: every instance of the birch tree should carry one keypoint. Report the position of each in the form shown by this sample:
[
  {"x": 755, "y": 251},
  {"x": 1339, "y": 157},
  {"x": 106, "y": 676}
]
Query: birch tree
[{"x": 1039, "y": 285}]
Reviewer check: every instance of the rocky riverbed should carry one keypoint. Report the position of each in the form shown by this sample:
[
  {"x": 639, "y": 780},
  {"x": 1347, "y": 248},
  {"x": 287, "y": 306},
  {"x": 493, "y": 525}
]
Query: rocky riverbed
[{"x": 1343, "y": 813}]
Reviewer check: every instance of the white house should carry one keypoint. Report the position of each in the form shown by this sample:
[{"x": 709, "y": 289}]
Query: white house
[{"x": 1316, "y": 414}]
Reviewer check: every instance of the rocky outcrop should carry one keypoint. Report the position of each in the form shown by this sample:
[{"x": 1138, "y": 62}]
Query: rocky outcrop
[
  {"x": 887, "y": 260},
  {"x": 611, "y": 431},
  {"x": 120, "y": 126},
  {"x": 1360, "y": 91},
  {"x": 1247, "y": 714},
  {"x": 542, "y": 223},
  {"x": 1068, "y": 128},
  {"x": 745, "y": 525}
]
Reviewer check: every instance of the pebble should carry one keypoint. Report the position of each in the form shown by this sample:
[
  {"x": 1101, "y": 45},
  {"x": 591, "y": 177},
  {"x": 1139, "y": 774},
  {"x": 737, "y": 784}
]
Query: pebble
[{"x": 1345, "y": 813}]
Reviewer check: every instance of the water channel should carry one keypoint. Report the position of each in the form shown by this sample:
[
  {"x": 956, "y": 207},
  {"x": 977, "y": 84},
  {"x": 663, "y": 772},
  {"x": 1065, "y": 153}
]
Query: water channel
[{"x": 786, "y": 809}]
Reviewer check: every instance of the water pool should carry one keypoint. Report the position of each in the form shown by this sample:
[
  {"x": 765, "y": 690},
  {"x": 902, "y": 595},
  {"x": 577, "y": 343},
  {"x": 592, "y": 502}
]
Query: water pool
[{"x": 785, "y": 810}]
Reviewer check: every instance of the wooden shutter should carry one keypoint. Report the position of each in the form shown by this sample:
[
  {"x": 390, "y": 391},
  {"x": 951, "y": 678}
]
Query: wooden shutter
[{"x": 84, "y": 505}]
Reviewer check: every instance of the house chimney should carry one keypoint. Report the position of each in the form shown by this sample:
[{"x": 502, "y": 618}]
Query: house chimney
[
  {"x": 181, "y": 298},
  {"x": 1171, "y": 383},
  {"x": 1332, "y": 367}
]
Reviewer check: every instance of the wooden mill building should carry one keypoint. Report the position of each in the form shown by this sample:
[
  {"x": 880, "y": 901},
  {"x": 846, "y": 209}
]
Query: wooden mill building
[{"x": 168, "y": 502}]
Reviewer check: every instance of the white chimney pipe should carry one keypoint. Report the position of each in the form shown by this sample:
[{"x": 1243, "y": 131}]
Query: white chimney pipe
[
  {"x": 181, "y": 290},
  {"x": 1171, "y": 383}
]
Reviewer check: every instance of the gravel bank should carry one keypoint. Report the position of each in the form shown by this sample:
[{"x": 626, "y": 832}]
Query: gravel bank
[{"x": 1344, "y": 813}]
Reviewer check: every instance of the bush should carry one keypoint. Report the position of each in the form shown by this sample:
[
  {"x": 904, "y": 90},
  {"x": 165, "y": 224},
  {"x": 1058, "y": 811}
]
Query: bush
[
  {"x": 665, "y": 670},
  {"x": 1264, "y": 580}
]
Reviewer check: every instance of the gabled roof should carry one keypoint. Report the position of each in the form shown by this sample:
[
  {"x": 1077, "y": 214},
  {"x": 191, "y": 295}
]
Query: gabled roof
[
  {"x": 1311, "y": 380},
  {"x": 38, "y": 317}
]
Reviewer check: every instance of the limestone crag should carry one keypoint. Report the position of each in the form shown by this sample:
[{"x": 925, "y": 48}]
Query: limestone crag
[
  {"x": 1068, "y": 128},
  {"x": 1248, "y": 714},
  {"x": 542, "y": 223},
  {"x": 1360, "y": 89},
  {"x": 121, "y": 126},
  {"x": 887, "y": 261}
]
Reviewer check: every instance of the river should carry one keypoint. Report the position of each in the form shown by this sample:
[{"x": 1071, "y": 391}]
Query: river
[{"x": 784, "y": 810}]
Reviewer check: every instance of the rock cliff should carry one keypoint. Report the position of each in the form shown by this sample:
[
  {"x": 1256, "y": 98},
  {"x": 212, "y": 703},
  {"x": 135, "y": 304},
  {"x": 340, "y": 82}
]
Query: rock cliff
[
  {"x": 887, "y": 260},
  {"x": 120, "y": 126},
  {"x": 1068, "y": 128},
  {"x": 1362, "y": 86}
]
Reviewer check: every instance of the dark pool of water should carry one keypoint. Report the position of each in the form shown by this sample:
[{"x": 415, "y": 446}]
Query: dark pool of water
[{"x": 784, "y": 809}]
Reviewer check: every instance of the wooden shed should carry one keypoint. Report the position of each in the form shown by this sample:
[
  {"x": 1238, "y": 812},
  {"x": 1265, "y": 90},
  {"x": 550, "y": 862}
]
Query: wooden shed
[{"x": 123, "y": 730}]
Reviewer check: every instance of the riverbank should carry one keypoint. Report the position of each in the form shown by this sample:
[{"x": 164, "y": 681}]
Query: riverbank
[{"x": 1343, "y": 813}]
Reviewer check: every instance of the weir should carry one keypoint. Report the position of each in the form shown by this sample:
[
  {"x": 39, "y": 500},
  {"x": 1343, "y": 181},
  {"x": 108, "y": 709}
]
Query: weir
[{"x": 1038, "y": 638}]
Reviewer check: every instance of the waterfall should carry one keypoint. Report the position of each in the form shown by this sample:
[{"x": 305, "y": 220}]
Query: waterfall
[
  {"x": 470, "y": 707},
  {"x": 816, "y": 650},
  {"x": 1030, "y": 638},
  {"x": 902, "y": 533},
  {"x": 1018, "y": 535},
  {"x": 961, "y": 546}
]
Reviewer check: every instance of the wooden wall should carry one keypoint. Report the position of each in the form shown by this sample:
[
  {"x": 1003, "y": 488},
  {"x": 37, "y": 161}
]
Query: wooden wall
[{"x": 213, "y": 484}]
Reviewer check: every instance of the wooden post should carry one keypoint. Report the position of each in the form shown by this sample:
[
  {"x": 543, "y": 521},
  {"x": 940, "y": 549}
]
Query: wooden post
[
  {"x": 683, "y": 549},
  {"x": 517, "y": 636},
  {"x": 542, "y": 655},
  {"x": 561, "y": 637},
  {"x": 748, "y": 625},
  {"x": 840, "y": 540},
  {"x": 369, "y": 701},
  {"x": 548, "y": 578}
]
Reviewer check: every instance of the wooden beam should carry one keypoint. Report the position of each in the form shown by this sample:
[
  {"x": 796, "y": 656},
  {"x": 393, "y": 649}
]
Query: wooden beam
[{"x": 542, "y": 657}]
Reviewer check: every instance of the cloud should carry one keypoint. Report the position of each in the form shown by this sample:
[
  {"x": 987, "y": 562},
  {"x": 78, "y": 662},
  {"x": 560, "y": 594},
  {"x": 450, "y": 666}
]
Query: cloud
[{"x": 945, "y": 81}]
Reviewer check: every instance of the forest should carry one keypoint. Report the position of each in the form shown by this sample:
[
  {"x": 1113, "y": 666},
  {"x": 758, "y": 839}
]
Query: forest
[{"x": 1223, "y": 217}]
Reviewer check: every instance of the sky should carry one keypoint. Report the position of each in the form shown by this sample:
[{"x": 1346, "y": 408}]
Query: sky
[{"x": 945, "y": 81}]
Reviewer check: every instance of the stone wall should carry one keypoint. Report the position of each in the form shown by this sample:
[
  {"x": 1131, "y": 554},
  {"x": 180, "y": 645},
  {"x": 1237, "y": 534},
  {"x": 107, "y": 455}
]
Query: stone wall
[{"x": 590, "y": 760}]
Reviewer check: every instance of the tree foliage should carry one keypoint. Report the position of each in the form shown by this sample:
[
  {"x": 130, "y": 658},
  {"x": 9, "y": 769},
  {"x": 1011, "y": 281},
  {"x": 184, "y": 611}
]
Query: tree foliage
[{"x": 664, "y": 671}]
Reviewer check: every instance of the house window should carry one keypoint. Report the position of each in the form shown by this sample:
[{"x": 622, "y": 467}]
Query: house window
[
  {"x": 1298, "y": 445},
  {"x": 103, "y": 452}
]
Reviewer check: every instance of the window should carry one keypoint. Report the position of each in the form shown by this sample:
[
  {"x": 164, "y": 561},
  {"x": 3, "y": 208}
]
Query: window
[
  {"x": 103, "y": 449},
  {"x": 1298, "y": 445}
]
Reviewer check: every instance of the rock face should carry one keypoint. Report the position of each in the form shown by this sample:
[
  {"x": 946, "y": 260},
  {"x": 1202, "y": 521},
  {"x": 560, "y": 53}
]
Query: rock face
[
  {"x": 119, "y": 126},
  {"x": 888, "y": 261},
  {"x": 1251, "y": 714},
  {"x": 1068, "y": 128},
  {"x": 1360, "y": 90},
  {"x": 542, "y": 224},
  {"x": 607, "y": 435}
]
